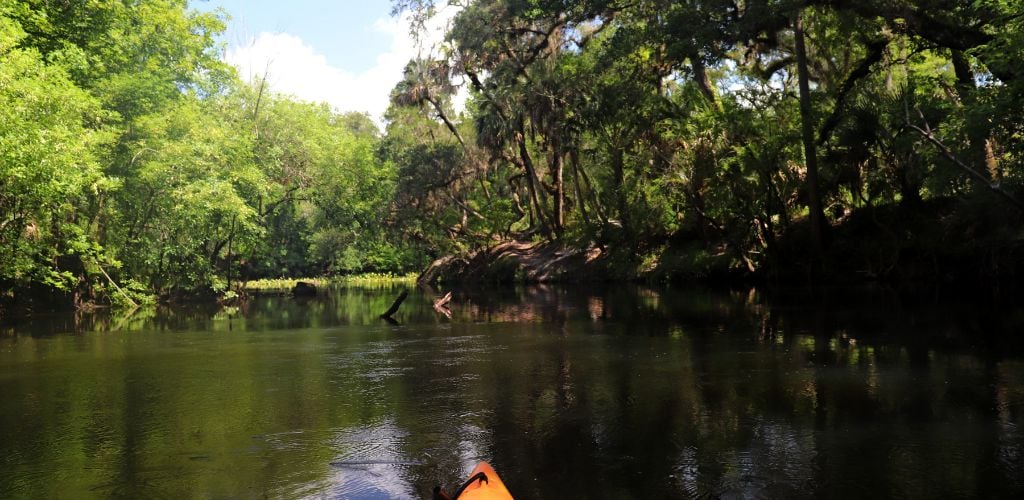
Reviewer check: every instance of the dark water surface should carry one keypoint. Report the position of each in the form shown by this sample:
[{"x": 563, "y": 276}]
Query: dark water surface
[{"x": 599, "y": 393}]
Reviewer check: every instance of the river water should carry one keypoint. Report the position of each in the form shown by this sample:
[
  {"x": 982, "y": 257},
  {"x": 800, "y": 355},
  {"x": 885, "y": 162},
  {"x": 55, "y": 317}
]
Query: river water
[{"x": 606, "y": 392}]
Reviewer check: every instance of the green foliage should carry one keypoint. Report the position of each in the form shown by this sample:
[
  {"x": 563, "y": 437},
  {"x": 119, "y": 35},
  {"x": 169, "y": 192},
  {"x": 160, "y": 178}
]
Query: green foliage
[
  {"x": 50, "y": 134},
  {"x": 362, "y": 280},
  {"x": 127, "y": 147},
  {"x": 638, "y": 123},
  {"x": 130, "y": 153},
  {"x": 188, "y": 194},
  {"x": 128, "y": 294}
]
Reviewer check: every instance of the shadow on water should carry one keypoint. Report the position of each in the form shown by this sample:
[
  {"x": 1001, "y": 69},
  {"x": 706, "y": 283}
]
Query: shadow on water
[{"x": 605, "y": 392}]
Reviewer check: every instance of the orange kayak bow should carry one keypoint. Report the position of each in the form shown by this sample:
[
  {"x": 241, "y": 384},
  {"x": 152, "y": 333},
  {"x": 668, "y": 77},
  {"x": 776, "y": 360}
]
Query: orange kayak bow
[{"x": 483, "y": 484}]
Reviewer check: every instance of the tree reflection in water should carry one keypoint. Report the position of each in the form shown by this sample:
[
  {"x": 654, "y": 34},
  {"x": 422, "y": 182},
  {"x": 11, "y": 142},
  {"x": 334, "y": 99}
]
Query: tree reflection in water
[{"x": 607, "y": 392}]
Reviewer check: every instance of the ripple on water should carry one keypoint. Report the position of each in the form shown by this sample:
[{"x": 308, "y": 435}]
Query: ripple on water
[
  {"x": 371, "y": 481},
  {"x": 382, "y": 373},
  {"x": 776, "y": 462},
  {"x": 369, "y": 462}
]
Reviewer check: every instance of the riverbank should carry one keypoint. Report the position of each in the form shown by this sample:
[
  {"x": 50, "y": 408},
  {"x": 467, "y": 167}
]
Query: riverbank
[
  {"x": 366, "y": 280},
  {"x": 942, "y": 242},
  {"x": 27, "y": 302}
]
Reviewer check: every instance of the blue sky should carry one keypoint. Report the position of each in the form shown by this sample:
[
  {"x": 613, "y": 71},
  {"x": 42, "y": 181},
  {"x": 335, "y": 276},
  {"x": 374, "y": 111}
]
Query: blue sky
[
  {"x": 349, "y": 53},
  {"x": 342, "y": 31}
]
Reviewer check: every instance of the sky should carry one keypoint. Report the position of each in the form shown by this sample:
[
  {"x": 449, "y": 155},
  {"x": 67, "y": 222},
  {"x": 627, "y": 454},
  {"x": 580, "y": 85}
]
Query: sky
[{"x": 349, "y": 53}]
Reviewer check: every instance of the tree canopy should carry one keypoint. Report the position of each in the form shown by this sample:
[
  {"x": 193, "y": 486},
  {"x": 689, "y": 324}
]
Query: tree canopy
[
  {"x": 742, "y": 135},
  {"x": 132, "y": 156},
  {"x": 750, "y": 137}
]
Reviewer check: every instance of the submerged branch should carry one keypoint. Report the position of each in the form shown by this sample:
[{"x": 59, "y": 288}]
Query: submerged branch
[
  {"x": 441, "y": 305},
  {"x": 394, "y": 306}
]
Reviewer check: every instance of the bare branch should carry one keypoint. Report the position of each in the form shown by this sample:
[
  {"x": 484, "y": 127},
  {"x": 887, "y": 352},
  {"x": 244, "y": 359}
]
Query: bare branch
[{"x": 926, "y": 132}]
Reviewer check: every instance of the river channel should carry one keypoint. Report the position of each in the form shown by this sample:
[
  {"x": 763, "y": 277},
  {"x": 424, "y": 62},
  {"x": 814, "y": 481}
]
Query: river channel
[{"x": 602, "y": 392}]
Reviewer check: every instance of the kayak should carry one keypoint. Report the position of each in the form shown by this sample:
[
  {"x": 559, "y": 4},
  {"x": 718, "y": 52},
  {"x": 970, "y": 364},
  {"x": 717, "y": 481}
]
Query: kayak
[{"x": 483, "y": 484}]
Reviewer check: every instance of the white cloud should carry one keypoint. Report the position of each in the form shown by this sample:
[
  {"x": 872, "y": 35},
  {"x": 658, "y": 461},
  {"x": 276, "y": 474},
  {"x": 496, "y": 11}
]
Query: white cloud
[{"x": 294, "y": 67}]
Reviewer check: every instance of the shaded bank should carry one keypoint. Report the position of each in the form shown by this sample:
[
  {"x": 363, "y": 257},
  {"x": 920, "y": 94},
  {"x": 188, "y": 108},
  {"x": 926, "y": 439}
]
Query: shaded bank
[{"x": 937, "y": 243}]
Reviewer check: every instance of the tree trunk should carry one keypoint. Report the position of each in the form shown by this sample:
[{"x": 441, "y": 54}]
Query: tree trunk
[
  {"x": 558, "y": 166},
  {"x": 231, "y": 238},
  {"x": 619, "y": 172},
  {"x": 596, "y": 203},
  {"x": 574, "y": 161},
  {"x": 532, "y": 182},
  {"x": 817, "y": 214},
  {"x": 700, "y": 76}
]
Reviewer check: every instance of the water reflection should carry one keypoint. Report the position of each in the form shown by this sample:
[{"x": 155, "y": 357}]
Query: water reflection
[{"x": 598, "y": 393}]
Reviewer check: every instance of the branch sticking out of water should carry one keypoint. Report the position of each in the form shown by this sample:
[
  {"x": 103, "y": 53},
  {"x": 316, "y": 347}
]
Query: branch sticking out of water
[
  {"x": 394, "y": 307},
  {"x": 441, "y": 305},
  {"x": 443, "y": 301}
]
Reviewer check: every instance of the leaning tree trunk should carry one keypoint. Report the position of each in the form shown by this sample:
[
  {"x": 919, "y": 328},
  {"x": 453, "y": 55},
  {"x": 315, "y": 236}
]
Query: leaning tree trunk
[
  {"x": 574, "y": 162},
  {"x": 533, "y": 182}
]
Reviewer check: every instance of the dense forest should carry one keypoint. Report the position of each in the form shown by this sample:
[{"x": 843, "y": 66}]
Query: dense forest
[
  {"x": 132, "y": 157},
  {"x": 776, "y": 140}
]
